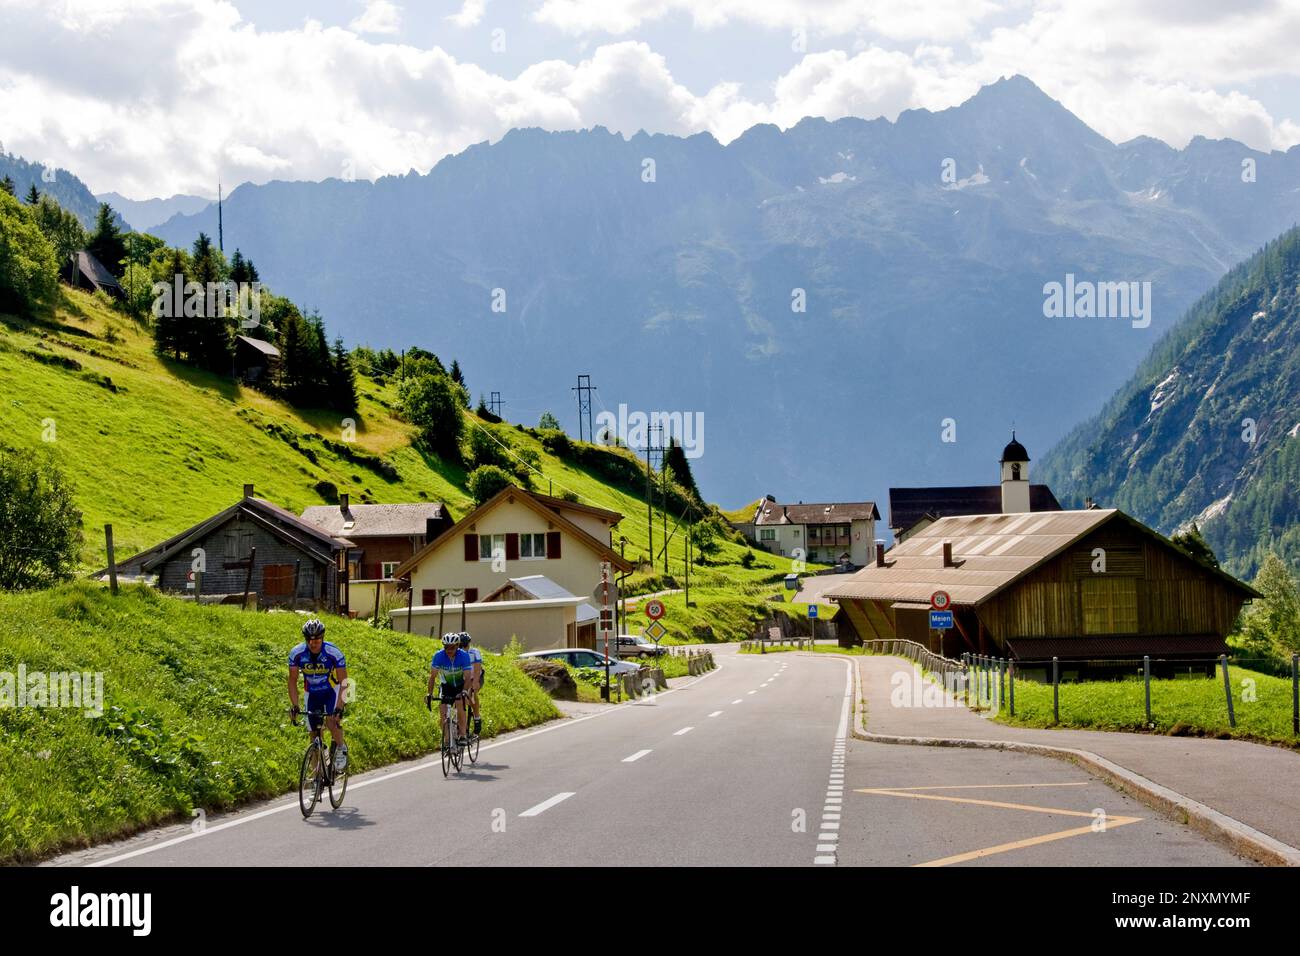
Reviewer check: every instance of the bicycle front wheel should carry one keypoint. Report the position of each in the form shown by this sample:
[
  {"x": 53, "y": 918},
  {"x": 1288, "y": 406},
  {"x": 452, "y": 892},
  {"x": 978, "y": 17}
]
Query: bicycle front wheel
[
  {"x": 448, "y": 741},
  {"x": 472, "y": 749},
  {"x": 308, "y": 784}
]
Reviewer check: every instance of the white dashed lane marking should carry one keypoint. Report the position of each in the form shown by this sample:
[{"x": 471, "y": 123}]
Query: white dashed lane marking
[
  {"x": 715, "y": 713},
  {"x": 636, "y": 756},
  {"x": 546, "y": 805},
  {"x": 684, "y": 730}
]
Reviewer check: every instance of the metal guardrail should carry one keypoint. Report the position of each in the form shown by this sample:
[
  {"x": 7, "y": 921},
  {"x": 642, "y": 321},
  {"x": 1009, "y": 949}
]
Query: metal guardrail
[{"x": 985, "y": 682}]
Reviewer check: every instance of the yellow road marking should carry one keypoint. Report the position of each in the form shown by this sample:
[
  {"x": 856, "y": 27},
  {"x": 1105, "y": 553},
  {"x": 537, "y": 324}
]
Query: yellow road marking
[
  {"x": 1002, "y": 847},
  {"x": 1032, "y": 841},
  {"x": 984, "y": 786},
  {"x": 982, "y": 803}
]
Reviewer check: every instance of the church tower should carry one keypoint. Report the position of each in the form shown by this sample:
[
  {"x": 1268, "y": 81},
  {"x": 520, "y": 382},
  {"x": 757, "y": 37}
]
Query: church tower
[{"x": 1015, "y": 478}]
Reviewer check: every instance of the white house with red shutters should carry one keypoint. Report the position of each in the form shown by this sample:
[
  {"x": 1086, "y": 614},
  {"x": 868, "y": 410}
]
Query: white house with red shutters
[{"x": 513, "y": 535}]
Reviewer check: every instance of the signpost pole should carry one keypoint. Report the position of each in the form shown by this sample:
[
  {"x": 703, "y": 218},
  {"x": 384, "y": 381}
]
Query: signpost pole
[{"x": 604, "y": 619}]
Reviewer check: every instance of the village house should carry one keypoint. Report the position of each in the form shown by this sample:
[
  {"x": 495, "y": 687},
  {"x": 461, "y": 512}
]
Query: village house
[
  {"x": 381, "y": 538},
  {"x": 830, "y": 533},
  {"x": 911, "y": 509},
  {"x": 253, "y": 545},
  {"x": 509, "y": 565},
  {"x": 1094, "y": 588}
]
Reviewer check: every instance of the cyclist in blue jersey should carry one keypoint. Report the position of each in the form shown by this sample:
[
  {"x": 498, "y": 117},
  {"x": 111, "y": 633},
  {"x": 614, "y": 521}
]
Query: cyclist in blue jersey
[
  {"x": 451, "y": 669},
  {"x": 476, "y": 679},
  {"x": 325, "y": 673}
]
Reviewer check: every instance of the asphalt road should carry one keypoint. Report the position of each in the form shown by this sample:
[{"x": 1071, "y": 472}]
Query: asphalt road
[{"x": 751, "y": 764}]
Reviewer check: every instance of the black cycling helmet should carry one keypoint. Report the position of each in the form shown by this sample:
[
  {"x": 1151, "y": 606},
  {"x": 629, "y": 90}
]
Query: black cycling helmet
[
  {"x": 313, "y": 629},
  {"x": 465, "y": 638}
]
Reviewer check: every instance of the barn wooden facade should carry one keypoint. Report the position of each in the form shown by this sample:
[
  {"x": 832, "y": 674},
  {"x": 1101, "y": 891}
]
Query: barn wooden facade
[
  {"x": 293, "y": 563},
  {"x": 1093, "y": 588}
]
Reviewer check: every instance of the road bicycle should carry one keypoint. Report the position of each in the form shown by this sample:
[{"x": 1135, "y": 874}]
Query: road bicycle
[
  {"x": 453, "y": 752},
  {"x": 318, "y": 771}
]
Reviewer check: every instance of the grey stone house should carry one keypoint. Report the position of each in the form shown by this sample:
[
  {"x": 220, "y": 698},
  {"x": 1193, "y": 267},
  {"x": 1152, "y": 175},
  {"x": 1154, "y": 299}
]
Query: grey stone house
[{"x": 294, "y": 563}]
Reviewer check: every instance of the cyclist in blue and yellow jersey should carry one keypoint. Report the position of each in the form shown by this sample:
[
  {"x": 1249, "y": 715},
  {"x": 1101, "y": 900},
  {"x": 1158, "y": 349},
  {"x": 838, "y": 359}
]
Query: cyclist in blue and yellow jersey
[
  {"x": 451, "y": 669},
  {"x": 476, "y": 685},
  {"x": 325, "y": 673}
]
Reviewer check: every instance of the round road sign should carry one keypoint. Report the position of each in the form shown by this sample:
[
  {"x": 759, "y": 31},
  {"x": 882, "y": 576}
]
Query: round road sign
[
  {"x": 654, "y": 609},
  {"x": 940, "y": 600}
]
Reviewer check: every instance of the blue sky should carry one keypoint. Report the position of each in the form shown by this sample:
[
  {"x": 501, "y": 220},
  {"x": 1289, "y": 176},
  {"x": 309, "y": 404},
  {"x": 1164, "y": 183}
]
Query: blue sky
[{"x": 154, "y": 97}]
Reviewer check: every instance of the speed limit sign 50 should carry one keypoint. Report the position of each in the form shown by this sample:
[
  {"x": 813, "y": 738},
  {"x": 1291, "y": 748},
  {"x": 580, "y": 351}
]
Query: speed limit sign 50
[
  {"x": 654, "y": 609},
  {"x": 940, "y": 600}
]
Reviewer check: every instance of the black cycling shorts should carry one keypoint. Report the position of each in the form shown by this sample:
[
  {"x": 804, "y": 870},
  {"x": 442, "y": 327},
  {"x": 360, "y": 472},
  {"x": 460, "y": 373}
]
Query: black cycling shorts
[{"x": 449, "y": 693}]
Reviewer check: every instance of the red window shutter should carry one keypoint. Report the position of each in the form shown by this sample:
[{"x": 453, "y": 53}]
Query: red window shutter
[
  {"x": 552, "y": 544},
  {"x": 429, "y": 596},
  {"x": 471, "y": 595},
  {"x": 471, "y": 547},
  {"x": 512, "y": 546}
]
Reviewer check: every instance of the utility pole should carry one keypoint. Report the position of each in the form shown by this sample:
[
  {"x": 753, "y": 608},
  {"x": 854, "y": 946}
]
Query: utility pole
[
  {"x": 584, "y": 390},
  {"x": 663, "y": 495},
  {"x": 221, "y": 242},
  {"x": 649, "y": 508},
  {"x": 688, "y": 556},
  {"x": 495, "y": 404}
]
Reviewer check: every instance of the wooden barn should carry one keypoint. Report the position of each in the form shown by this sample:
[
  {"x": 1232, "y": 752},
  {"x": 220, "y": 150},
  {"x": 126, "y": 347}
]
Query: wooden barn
[
  {"x": 90, "y": 274},
  {"x": 255, "y": 362},
  {"x": 281, "y": 559},
  {"x": 1096, "y": 589}
]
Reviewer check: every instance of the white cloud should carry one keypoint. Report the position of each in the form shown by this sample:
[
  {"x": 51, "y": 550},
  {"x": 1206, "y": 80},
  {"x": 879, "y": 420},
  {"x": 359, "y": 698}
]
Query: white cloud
[
  {"x": 471, "y": 13},
  {"x": 165, "y": 96},
  {"x": 934, "y": 19},
  {"x": 380, "y": 16}
]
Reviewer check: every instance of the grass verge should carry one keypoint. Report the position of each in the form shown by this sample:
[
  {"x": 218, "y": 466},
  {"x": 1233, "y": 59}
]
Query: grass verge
[{"x": 194, "y": 703}]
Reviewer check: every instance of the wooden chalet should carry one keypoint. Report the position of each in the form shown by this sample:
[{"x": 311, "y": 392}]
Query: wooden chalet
[{"x": 1096, "y": 589}]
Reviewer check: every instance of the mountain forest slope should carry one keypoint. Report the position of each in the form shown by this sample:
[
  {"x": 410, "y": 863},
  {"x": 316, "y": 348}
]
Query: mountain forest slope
[{"x": 1208, "y": 429}]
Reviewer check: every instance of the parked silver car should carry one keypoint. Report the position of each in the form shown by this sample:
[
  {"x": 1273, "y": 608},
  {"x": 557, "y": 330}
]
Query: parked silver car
[
  {"x": 630, "y": 645},
  {"x": 582, "y": 657}
]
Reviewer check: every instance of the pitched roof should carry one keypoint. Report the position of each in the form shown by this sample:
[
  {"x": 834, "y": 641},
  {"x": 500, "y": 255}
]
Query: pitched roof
[
  {"x": 374, "y": 521},
  {"x": 772, "y": 513},
  {"x": 907, "y": 506},
  {"x": 536, "y": 586},
  {"x": 266, "y": 348},
  {"x": 529, "y": 500},
  {"x": 95, "y": 271},
  {"x": 994, "y": 551},
  {"x": 552, "y": 502},
  {"x": 279, "y": 521}
]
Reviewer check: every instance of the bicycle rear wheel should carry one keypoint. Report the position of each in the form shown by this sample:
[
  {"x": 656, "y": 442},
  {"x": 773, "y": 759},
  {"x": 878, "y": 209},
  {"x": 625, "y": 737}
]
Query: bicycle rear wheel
[
  {"x": 338, "y": 786},
  {"x": 472, "y": 749},
  {"x": 308, "y": 780}
]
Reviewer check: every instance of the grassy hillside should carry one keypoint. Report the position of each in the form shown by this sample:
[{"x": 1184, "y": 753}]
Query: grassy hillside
[
  {"x": 154, "y": 446},
  {"x": 194, "y": 711}
]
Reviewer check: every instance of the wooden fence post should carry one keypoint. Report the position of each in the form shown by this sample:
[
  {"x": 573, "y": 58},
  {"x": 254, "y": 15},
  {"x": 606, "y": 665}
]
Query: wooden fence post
[
  {"x": 1056, "y": 691},
  {"x": 112, "y": 561},
  {"x": 1227, "y": 690},
  {"x": 1146, "y": 680}
]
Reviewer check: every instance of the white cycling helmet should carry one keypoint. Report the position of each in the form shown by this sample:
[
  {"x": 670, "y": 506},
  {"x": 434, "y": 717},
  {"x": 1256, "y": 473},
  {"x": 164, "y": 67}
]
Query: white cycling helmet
[{"x": 450, "y": 638}]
